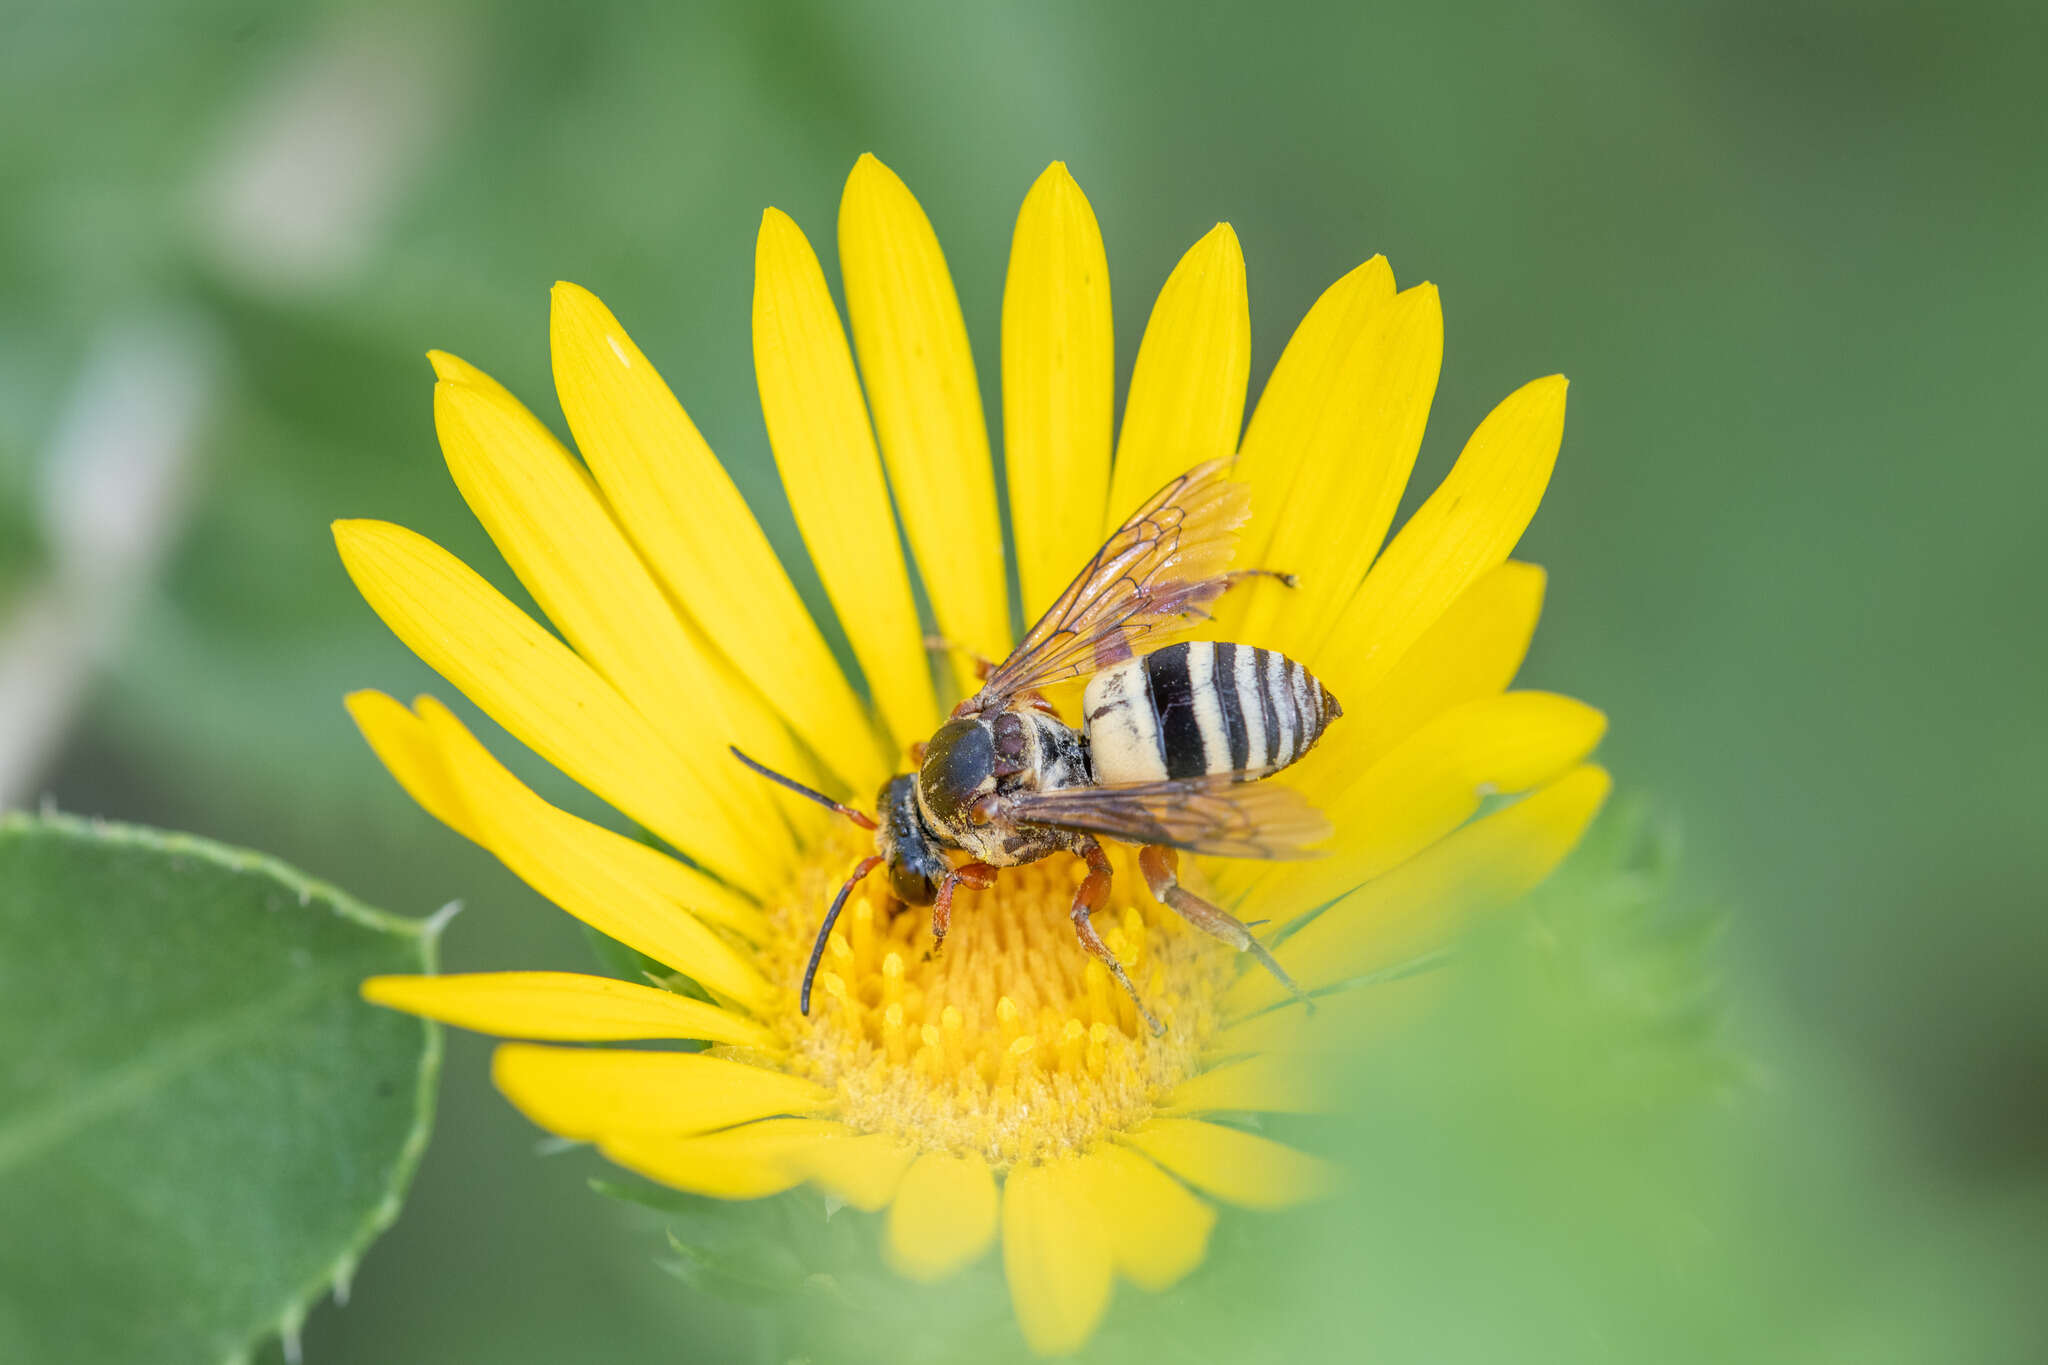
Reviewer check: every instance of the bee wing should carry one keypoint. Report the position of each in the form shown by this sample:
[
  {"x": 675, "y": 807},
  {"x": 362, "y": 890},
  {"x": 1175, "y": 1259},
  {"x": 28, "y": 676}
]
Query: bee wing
[
  {"x": 1220, "y": 814},
  {"x": 1153, "y": 578}
]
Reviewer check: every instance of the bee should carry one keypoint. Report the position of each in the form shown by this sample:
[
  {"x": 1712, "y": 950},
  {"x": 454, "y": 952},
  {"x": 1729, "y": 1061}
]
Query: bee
[{"x": 1171, "y": 744}]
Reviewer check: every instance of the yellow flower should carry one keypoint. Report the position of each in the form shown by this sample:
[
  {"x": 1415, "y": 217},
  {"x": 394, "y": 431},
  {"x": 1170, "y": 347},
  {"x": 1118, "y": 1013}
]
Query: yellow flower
[{"x": 1006, "y": 1089}]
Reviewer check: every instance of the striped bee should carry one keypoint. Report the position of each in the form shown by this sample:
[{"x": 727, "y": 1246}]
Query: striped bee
[{"x": 1171, "y": 743}]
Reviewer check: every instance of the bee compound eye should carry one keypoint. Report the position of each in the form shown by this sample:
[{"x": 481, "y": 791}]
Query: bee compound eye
[{"x": 911, "y": 887}]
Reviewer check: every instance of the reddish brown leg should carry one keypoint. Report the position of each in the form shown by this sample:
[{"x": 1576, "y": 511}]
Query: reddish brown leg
[
  {"x": 1161, "y": 865},
  {"x": 1092, "y": 896},
  {"x": 977, "y": 876},
  {"x": 917, "y": 753}
]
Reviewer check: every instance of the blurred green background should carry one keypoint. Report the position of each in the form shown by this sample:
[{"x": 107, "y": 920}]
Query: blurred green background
[{"x": 1789, "y": 253}]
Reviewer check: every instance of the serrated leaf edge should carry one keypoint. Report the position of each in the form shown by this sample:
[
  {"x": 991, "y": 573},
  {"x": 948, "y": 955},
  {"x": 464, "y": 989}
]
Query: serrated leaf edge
[{"x": 337, "y": 1275}]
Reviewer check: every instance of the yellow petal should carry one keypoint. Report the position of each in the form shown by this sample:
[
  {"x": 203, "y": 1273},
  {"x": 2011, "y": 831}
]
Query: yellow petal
[
  {"x": 862, "y": 1169},
  {"x": 548, "y": 520},
  {"x": 562, "y": 1007},
  {"x": 1056, "y": 1257},
  {"x": 818, "y": 426},
  {"x": 1430, "y": 784},
  {"x": 913, "y": 352},
  {"x": 1186, "y": 402},
  {"x": 944, "y": 1216},
  {"x": 1341, "y": 419},
  {"x": 1416, "y": 908},
  {"x": 578, "y": 1092},
  {"x": 683, "y": 512},
  {"x": 1341, "y": 1023},
  {"x": 394, "y": 728},
  {"x": 1158, "y": 1231},
  {"x": 1473, "y": 651},
  {"x": 1467, "y": 526},
  {"x": 405, "y": 748},
  {"x": 593, "y": 873},
  {"x": 1267, "y": 1085},
  {"x": 1237, "y": 1167},
  {"x": 1310, "y": 384},
  {"x": 536, "y": 687},
  {"x": 749, "y": 1162},
  {"x": 1059, "y": 385}
]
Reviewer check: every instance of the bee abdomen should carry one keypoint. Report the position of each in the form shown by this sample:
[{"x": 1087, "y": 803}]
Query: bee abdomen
[{"x": 1191, "y": 710}]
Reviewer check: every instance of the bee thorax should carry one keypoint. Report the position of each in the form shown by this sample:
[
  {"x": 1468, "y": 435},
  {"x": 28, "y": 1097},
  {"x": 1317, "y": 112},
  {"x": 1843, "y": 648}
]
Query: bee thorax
[{"x": 972, "y": 765}]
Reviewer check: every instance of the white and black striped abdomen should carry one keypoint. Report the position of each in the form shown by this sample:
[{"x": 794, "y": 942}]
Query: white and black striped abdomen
[{"x": 1193, "y": 709}]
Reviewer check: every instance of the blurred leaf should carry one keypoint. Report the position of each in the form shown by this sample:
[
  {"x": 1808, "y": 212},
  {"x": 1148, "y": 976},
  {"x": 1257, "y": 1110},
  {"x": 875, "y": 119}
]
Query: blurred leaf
[
  {"x": 748, "y": 1272},
  {"x": 754, "y": 1251},
  {"x": 21, "y": 547},
  {"x": 1627, "y": 968},
  {"x": 809, "y": 1272},
  {"x": 193, "y": 1156}
]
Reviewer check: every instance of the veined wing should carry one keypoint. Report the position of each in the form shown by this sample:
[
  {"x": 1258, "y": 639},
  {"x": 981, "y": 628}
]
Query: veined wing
[
  {"x": 1155, "y": 577},
  {"x": 1217, "y": 814}
]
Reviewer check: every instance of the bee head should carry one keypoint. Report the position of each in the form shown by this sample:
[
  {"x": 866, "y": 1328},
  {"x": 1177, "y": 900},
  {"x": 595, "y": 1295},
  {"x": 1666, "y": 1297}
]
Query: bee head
[
  {"x": 915, "y": 861},
  {"x": 959, "y": 770}
]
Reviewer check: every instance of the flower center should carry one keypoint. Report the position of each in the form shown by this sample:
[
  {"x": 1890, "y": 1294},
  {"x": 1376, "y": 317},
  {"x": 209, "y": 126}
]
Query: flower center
[{"x": 1014, "y": 1042}]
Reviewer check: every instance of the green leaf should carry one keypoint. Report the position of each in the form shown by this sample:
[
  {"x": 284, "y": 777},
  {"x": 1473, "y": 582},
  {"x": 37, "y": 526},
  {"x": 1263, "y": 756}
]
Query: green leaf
[
  {"x": 808, "y": 1273},
  {"x": 201, "y": 1124},
  {"x": 1631, "y": 967}
]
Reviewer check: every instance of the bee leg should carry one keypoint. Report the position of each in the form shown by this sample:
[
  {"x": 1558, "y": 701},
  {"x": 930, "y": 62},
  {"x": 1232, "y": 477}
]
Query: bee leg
[
  {"x": 976, "y": 876},
  {"x": 983, "y": 666},
  {"x": 1237, "y": 576},
  {"x": 1092, "y": 896},
  {"x": 1160, "y": 865}
]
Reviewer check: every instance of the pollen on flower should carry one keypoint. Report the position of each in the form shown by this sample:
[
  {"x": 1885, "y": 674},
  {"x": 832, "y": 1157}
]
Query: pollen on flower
[{"x": 1013, "y": 1043}]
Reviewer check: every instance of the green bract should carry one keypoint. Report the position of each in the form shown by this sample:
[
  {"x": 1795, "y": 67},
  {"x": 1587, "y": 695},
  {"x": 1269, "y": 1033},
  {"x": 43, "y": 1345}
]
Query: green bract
[{"x": 201, "y": 1125}]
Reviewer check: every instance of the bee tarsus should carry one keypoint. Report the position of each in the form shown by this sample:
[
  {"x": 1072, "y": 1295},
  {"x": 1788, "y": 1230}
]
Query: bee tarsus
[
  {"x": 1237, "y": 576},
  {"x": 973, "y": 876},
  {"x": 1161, "y": 866},
  {"x": 1090, "y": 896}
]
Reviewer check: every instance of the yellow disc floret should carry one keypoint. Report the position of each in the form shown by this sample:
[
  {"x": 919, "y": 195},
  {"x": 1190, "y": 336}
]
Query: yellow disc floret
[{"x": 1013, "y": 1043}]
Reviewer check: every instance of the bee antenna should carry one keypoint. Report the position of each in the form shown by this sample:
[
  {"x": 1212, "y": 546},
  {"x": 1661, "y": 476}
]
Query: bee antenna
[
  {"x": 860, "y": 869},
  {"x": 864, "y": 821}
]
